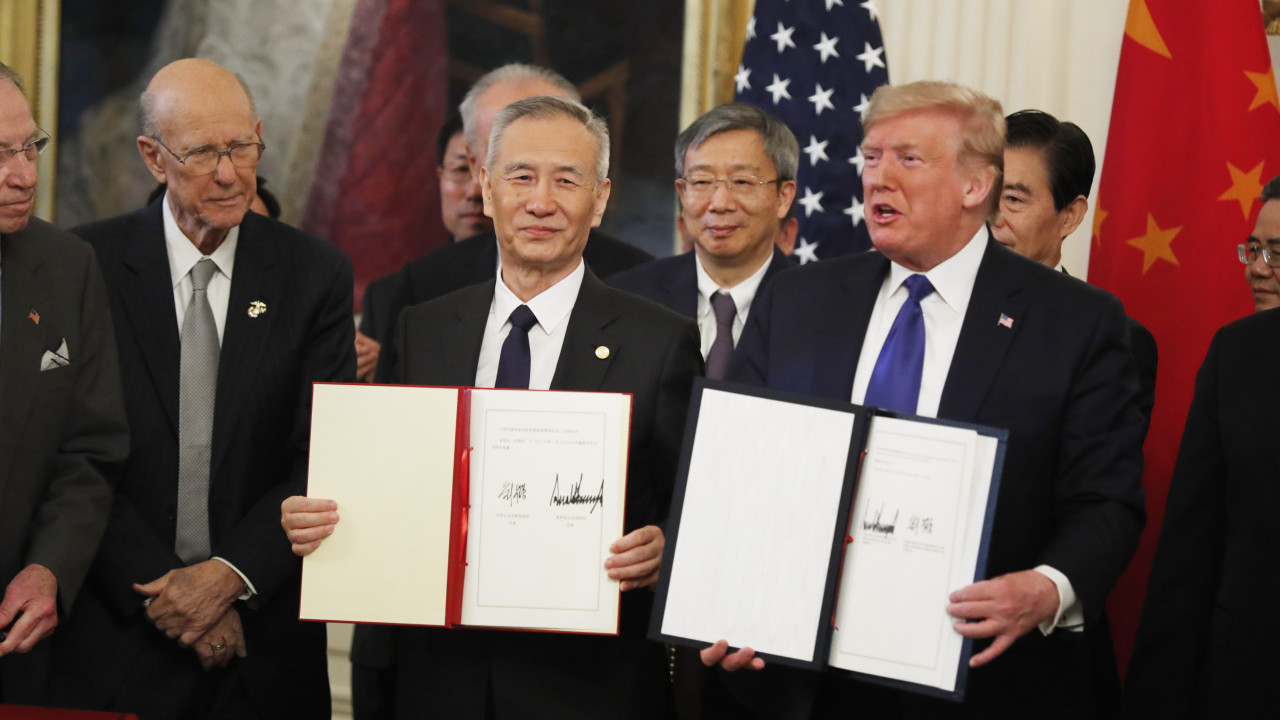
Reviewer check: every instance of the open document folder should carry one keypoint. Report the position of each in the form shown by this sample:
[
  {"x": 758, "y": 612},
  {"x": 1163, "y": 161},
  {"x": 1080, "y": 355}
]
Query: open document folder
[
  {"x": 821, "y": 533},
  {"x": 462, "y": 506}
]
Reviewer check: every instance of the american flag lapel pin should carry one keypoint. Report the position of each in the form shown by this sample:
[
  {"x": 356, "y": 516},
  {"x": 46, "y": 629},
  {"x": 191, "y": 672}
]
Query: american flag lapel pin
[
  {"x": 1005, "y": 321},
  {"x": 33, "y": 316}
]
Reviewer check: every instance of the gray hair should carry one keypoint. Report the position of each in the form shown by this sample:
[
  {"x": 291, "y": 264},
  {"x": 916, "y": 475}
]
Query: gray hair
[
  {"x": 545, "y": 106},
  {"x": 8, "y": 73},
  {"x": 151, "y": 116},
  {"x": 779, "y": 142},
  {"x": 511, "y": 72}
]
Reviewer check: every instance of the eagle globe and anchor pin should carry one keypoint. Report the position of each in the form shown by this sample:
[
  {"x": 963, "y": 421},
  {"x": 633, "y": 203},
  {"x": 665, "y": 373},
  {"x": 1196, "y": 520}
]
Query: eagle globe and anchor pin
[{"x": 256, "y": 308}]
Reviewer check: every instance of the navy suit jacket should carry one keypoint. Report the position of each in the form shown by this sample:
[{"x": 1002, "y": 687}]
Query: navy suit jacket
[
  {"x": 673, "y": 282},
  {"x": 1205, "y": 645},
  {"x": 261, "y": 430},
  {"x": 1061, "y": 380}
]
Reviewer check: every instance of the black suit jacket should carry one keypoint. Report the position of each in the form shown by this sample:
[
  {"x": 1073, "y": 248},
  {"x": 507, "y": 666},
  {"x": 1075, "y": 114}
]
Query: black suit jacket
[
  {"x": 261, "y": 429},
  {"x": 375, "y": 311},
  {"x": 673, "y": 282},
  {"x": 62, "y": 431},
  {"x": 654, "y": 355},
  {"x": 1206, "y": 645},
  {"x": 1061, "y": 381}
]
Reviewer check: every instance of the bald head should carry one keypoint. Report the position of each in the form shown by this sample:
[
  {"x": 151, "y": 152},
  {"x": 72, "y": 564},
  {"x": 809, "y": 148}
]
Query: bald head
[{"x": 189, "y": 86}]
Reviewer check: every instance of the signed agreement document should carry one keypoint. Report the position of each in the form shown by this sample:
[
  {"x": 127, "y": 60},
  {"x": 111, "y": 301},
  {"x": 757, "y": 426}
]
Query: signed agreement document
[
  {"x": 824, "y": 534},
  {"x": 463, "y": 506}
]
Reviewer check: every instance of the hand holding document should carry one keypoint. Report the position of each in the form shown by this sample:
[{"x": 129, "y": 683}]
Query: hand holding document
[
  {"x": 480, "y": 507},
  {"x": 861, "y": 525}
]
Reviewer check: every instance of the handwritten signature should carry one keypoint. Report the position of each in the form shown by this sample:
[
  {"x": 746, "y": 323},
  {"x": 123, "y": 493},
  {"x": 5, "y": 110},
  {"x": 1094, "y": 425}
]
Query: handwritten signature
[
  {"x": 876, "y": 524},
  {"x": 575, "y": 496},
  {"x": 513, "y": 493}
]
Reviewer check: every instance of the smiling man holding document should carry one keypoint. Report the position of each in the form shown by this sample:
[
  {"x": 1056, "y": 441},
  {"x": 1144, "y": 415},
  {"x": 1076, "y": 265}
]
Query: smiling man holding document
[
  {"x": 944, "y": 322},
  {"x": 546, "y": 322}
]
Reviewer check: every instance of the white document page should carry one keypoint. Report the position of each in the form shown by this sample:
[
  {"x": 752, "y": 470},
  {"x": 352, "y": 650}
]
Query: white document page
[
  {"x": 548, "y": 480},
  {"x": 760, "y": 511},
  {"x": 912, "y": 525},
  {"x": 386, "y": 455}
]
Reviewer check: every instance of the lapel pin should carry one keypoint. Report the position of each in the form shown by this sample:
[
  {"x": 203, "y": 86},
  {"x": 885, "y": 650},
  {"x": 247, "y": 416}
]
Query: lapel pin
[
  {"x": 34, "y": 316},
  {"x": 602, "y": 352},
  {"x": 1005, "y": 321},
  {"x": 256, "y": 308}
]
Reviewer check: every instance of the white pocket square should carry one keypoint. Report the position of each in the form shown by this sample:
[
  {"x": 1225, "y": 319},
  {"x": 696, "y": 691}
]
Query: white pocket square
[{"x": 52, "y": 359}]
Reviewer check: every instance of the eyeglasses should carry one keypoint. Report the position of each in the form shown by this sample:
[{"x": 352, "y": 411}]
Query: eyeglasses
[
  {"x": 203, "y": 162},
  {"x": 1248, "y": 252},
  {"x": 31, "y": 151},
  {"x": 701, "y": 186}
]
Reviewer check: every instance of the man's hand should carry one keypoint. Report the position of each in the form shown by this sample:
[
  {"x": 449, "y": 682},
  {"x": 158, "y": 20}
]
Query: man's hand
[
  {"x": 186, "y": 602},
  {"x": 1006, "y": 607},
  {"x": 718, "y": 654},
  {"x": 307, "y": 522},
  {"x": 222, "y": 642},
  {"x": 31, "y": 598},
  {"x": 636, "y": 557},
  {"x": 367, "y": 350}
]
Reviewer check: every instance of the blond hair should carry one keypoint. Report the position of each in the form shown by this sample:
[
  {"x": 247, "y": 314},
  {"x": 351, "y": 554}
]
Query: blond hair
[{"x": 981, "y": 120}]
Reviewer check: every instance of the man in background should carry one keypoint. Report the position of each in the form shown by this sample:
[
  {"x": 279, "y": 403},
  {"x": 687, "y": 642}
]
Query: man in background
[
  {"x": 62, "y": 425},
  {"x": 1260, "y": 253}
]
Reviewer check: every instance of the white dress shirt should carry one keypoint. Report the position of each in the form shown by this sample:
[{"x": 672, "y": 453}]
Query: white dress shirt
[
  {"x": 943, "y": 312},
  {"x": 742, "y": 293},
  {"x": 183, "y": 255},
  {"x": 551, "y": 307}
]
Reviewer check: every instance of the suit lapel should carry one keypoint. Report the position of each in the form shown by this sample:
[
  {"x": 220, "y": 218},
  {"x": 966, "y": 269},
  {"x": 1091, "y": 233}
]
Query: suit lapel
[
  {"x": 147, "y": 302},
  {"x": 979, "y": 355},
  {"x": 843, "y": 340},
  {"x": 244, "y": 336},
  {"x": 21, "y": 347},
  {"x": 681, "y": 286},
  {"x": 580, "y": 366}
]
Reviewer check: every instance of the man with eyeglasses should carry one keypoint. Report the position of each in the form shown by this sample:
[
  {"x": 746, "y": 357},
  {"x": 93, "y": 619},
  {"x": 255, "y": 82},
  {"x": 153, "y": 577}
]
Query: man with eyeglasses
[
  {"x": 224, "y": 319},
  {"x": 1261, "y": 252},
  {"x": 62, "y": 425},
  {"x": 735, "y": 175}
]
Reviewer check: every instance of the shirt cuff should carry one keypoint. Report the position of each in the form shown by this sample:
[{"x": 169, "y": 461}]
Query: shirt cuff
[
  {"x": 250, "y": 591},
  {"x": 1070, "y": 615}
]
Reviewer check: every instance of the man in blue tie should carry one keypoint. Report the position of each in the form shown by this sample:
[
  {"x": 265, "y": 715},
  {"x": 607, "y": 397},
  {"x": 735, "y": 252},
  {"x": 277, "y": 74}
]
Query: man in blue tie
[{"x": 944, "y": 322}]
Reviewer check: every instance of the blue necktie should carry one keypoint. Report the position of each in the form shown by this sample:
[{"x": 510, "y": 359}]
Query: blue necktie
[
  {"x": 513, "y": 363},
  {"x": 895, "y": 382}
]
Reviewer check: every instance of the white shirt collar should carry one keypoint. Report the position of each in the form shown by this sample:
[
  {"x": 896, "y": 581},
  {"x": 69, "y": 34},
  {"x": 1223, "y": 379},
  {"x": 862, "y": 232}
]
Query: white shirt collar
[
  {"x": 742, "y": 293},
  {"x": 551, "y": 306},
  {"x": 183, "y": 254},
  {"x": 953, "y": 278}
]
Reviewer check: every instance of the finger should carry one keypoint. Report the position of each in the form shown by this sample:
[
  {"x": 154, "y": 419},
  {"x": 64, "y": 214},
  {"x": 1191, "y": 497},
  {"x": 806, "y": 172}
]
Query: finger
[
  {"x": 646, "y": 581},
  {"x": 304, "y": 521},
  {"x": 712, "y": 655},
  {"x": 635, "y": 571},
  {"x": 641, "y": 553},
  {"x": 189, "y": 638},
  {"x": 150, "y": 589},
  {"x": 981, "y": 590},
  {"x": 305, "y": 549},
  {"x": 746, "y": 657},
  {"x": 32, "y": 628},
  {"x": 972, "y": 610},
  {"x": 310, "y": 534},
  {"x": 984, "y": 629},
  {"x": 635, "y": 538},
  {"x": 998, "y": 646},
  {"x": 304, "y": 504}
]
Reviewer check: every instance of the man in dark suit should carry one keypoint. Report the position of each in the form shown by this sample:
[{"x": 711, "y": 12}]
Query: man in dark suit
[
  {"x": 225, "y": 319},
  {"x": 1262, "y": 276},
  {"x": 1048, "y": 171},
  {"x": 545, "y": 186},
  {"x": 62, "y": 425},
  {"x": 735, "y": 173},
  {"x": 942, "y": 321},
  {"x": 1204, "y": 646}
]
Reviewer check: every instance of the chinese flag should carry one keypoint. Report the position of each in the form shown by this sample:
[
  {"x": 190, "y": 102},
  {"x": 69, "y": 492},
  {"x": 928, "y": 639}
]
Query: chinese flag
[{"x": 1195, "y": 133}]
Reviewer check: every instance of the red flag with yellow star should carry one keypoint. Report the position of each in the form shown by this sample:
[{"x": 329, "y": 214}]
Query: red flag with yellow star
[{"x": 1195, "y": 133}]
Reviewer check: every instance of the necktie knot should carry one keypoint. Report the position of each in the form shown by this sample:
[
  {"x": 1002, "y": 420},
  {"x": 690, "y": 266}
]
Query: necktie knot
[
  {"x": 202, "y": 273},
  {"x": 523, "y": 318},
  {"x": 918, "y": 287},
  {"x": 725, "y": 309}
]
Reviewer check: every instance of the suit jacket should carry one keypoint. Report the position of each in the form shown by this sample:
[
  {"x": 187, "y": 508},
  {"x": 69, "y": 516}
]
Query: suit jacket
[
  {"x": 261, "y": 428},
  {"x": 1205, "y": 645},
  {"x": 62, "y": 431},
  {"x": 673, "y": 282},
  {"x": 375, "y": 311},
  {"x": 1143, "y": 346},
  {"x": 654, "y": 354},
  {"x": 1061, "y": 381}
]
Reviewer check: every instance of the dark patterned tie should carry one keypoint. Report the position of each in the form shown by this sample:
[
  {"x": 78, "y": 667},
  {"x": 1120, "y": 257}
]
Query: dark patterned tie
[
  {"x": 197, "y": 388},
  {"x": 895, "y": 382},
  {"x": 513, "y": 363},
  {"x": 722, "y": 346}
]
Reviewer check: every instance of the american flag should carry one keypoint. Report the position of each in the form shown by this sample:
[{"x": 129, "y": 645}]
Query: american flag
[{"x": 813, "y": 64}]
